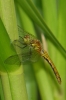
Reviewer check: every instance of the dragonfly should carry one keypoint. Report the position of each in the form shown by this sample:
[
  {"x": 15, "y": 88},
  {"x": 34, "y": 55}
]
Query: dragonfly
[{"x": 29, "y": 48}]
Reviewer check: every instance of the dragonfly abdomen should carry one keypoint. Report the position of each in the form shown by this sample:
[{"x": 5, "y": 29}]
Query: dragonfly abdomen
[{"x": 46, "y": 56}]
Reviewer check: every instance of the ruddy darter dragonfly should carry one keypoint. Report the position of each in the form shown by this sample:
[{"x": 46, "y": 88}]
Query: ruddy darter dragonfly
[{"x": 28, "y": 48}]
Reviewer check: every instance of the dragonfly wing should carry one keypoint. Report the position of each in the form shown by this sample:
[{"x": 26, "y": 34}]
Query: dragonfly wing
[
  {"x": 18, "y": 59},
  {"x": 35, "y": 56},
  {"x": 32, "y": 55},
  {"x": 20, "y": 46},
  {"x": 22, "y": 58},
  {"x": 22, "y": 33},
  {"x": 13, "y": 60},
  {"x": 19, "y": 43}
]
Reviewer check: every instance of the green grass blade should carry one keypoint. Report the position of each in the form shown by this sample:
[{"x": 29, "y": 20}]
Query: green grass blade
[
  {"x": 1, "y": 90},
  {"x": 13, "y": 82},
  {"x": 4, "y": 40},
  {"x": 61, "y": 62}
]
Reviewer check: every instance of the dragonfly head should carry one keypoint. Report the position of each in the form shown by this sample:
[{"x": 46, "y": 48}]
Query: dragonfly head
[{"x": 27, "y": 39}]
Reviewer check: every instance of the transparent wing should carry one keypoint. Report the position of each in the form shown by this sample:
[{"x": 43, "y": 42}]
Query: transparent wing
[
  {"x": 17, "y": 59},
  {"x": 22, "y": 58},
  {"x": 14, "y": 59},
  {"x": 22, "y": 33},
  {"x": 20, "y": 46},
  {"x": 34, "y": 55},
  {"x": 20, "y": 43}
]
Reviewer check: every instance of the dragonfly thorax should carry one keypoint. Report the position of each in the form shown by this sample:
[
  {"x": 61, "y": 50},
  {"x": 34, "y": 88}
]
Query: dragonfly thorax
[
  {"x": 33, "y": 42},
  {"x": 36, "y": 45}
]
